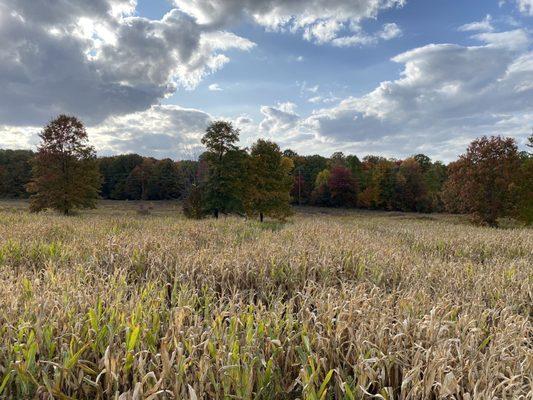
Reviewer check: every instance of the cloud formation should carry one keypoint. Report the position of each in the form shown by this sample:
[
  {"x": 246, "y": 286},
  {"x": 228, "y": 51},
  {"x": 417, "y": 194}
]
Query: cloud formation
[
  {"x": 161, "y": 131},
  {"x": 446, "y": 95},
  {"x": 319, "y": 21},
  {"x": 100, "y": 61},
  {"x": 484, "y": 25},
  {"x": 215, "y": 87},
  {"x": 279, "y": 118},
  {"x": 525, "y": 6},
  {"x": 95, "y": 59}
]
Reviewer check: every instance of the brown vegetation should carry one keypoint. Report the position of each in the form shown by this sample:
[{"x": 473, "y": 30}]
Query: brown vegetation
[{"x": 111, "y": 304}]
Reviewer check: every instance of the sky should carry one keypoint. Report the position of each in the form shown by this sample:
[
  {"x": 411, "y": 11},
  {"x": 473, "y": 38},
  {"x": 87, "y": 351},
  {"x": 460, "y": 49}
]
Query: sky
[{"x": 383, "y": 77}]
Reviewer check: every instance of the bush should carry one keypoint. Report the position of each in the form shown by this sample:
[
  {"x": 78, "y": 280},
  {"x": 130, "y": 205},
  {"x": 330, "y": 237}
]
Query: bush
[{"x": 193, "y": 205}]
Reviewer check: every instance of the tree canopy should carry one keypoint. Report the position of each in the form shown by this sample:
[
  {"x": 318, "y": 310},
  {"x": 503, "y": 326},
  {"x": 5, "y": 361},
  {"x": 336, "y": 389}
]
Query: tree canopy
[
  {"x": 485, "y": 180},
  {"x": 65, "y": 172},
  {"x": 490, "y": 181},
  {"x": 268, "y": 191}
]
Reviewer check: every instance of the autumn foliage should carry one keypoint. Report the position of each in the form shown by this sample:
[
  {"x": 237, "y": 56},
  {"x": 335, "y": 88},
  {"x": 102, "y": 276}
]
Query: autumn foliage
[
  {"x": 492, "y": 180},
  {"x": 65, "y": 169},
  {"x": 485, "y": 181}
]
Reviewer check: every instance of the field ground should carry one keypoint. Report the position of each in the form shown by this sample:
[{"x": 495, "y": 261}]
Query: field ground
[{"x": 333, "y": 304}]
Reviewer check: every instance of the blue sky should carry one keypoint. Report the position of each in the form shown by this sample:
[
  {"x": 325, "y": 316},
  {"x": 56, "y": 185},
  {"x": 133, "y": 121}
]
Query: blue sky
[
  {"x": 271, "y": 72},
  {"x": 389, "y": 77}
]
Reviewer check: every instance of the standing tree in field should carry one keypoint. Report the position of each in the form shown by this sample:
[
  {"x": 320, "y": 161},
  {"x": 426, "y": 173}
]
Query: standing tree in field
[
  {"x": 65, "y": 171},
  {"x": 484, "y": 181},
  {"x": 225, "y": 183},
  {"x": 269, "y": 181}
]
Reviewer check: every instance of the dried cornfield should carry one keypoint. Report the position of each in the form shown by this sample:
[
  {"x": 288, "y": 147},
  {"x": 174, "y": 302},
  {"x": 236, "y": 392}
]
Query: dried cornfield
[{"x": 114, "y": 305}]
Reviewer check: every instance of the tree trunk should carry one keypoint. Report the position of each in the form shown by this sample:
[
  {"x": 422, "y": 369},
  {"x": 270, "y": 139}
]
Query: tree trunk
[
  {"x": 261, "y": 217},
  {"x": 215, "y": 213}
]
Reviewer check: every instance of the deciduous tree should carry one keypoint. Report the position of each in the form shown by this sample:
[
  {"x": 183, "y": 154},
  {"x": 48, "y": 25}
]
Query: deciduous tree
[
  {"x": 321, "y": 196},
  {"x": 15, "y": 172},
  {"x": 65, "y": 171},
  {"x": 269, "y": 180},
  {"x": 484, "y": 180},
  {"x": 342, "y": 187},
  {"x": 224, "y": 185},
  {"x": 411, "y": 186}
]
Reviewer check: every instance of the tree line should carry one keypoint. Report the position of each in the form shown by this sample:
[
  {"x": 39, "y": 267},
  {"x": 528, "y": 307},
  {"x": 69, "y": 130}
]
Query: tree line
[{"x": 493, "y": 179}]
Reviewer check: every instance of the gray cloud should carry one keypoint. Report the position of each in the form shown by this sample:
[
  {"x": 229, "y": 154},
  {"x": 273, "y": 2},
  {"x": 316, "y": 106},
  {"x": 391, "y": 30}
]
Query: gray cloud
[{"x": 93, "y": 59}]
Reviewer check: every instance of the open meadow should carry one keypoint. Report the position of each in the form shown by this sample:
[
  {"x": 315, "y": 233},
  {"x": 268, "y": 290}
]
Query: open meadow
[{"x": 110, "y": 304}]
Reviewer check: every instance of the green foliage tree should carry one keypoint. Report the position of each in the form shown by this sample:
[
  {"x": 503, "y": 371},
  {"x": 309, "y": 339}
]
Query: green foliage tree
[
  {"x": 65, "y": 170},
  {"x": 355, "y": 166},
  {"x": 435, "y": 177},
  {"x": 524, "y": 209},
  {"x": 484, "y": 180},
  {"x": 321, "y": 195},
  {"x": 337, "y": 159},
  {"x": 269, "y": 181},
  {"x": 226, "y": 168},
  {"x": 15, "y": 172},
  {"x": 305, "y": 171},
  {"x": 423, "y": 161},
  {"x": 378, "y": 183},
  {"x": 191, "y": 174},
  {"x": 154, "y": 180},
  {"x": 115, "y": 172}
]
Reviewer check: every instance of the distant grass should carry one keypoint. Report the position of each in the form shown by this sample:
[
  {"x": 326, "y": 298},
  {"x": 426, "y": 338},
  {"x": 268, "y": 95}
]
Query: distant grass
[{"x": 332, "y": 304}]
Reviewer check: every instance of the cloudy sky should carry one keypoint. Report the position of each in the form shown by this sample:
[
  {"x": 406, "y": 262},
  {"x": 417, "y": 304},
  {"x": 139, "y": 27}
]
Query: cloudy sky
[{"x": 387, "y": 77}]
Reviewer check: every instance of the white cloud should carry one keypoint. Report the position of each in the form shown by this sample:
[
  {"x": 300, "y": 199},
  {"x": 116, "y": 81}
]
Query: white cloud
[
  {"x": 95, "y": 59},
  {"x": 16, "y": 137},
  {"x": 484, "y": 25},
  {"x": 320, "y": 21},
  {"x": 280, "y": 118},
  {"x": 446, "y": 96},
  {"x": 323, "y": 99},
  {"x": 161, "y": 131},
  {"x": 515, "y": 40},
  {"x": 323, "y": 31},
  {"x": 361, "y": 38},
  {"x": 215, "y": 87},
  {"x": 390, "y": 31},
  {"x": 525, "y": 6}
]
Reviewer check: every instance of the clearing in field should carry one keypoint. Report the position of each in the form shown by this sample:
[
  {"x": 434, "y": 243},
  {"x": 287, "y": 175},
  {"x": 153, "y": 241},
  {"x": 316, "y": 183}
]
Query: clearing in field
[{"x": 344, "y": 305}]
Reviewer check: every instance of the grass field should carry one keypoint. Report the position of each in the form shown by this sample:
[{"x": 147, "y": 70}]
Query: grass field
[{"x": 345, "y": 305}]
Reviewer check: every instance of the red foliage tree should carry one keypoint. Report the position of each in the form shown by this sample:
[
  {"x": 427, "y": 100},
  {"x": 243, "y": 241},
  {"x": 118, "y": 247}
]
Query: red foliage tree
[
  {"x": 343, "y": 187},
  {"x": 411, "y": 186},
  {"x": 484, "y": 181}
]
